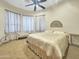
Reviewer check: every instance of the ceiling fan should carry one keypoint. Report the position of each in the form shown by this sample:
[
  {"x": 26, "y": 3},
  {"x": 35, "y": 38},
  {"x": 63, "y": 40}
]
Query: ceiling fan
[{"x": 36, "y": 3}]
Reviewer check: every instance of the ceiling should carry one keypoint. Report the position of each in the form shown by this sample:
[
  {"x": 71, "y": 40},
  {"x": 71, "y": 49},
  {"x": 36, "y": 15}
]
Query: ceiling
[
  {"x": 75, "y": 3},
  {"x": 22, "y": 3}
]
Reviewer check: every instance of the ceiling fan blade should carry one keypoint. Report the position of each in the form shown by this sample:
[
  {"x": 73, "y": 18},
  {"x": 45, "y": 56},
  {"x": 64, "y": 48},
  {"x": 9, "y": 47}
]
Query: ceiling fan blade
[
  {"x": 41, "y": 6},
  {"x": 38, "y": 1},
  {"x": 35, "y": 8},
  {"x": 42, "y": 1},
  {"x": 29, "y": 4}
]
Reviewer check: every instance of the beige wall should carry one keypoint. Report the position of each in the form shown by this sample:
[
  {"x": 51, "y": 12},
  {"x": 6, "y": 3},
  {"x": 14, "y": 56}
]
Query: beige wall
[
  {"x": 67, "y": 13},
  {"x": 1, "y": 22}
]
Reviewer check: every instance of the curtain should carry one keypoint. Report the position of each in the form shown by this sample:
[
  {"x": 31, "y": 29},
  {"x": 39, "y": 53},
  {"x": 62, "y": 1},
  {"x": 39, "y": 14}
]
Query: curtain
[
  {"x": 12, "y": 22},
  {"x": 40, "y": 23},
  {"x": 33, "y": 24},
  {"x": 28, "y": 24}
]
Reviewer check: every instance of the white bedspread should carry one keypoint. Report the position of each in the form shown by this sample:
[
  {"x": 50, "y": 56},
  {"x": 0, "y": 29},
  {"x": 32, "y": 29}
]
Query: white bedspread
[{"x": 56, "y": 39}]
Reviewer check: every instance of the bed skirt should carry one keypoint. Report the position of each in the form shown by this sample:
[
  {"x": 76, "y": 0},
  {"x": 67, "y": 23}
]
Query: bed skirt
[{"x": 35, "y": 52}]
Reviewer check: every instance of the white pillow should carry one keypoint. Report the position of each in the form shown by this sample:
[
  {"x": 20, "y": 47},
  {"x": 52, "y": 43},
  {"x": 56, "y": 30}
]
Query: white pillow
[{"x": 58, "y": 32}]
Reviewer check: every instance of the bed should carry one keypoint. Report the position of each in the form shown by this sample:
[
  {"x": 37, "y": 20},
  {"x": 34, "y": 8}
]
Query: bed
[{"x": 47, "y": 45}]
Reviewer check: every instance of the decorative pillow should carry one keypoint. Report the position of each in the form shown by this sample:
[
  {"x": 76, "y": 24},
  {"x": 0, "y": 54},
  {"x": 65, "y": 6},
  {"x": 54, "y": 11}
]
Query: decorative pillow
[{"x": 58, "y": 32}]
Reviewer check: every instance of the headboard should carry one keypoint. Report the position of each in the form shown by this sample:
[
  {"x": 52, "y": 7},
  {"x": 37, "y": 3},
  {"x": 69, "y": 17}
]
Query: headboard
[{"x": 56, "y": 24}]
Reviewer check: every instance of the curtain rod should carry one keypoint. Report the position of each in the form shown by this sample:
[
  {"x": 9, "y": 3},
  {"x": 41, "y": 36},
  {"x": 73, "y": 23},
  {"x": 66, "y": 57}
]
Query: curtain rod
[{"x": 16, "y": 12}]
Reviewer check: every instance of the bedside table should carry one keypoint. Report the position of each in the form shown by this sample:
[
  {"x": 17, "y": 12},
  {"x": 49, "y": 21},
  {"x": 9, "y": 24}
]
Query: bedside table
[{"x": 75, "y": 39}]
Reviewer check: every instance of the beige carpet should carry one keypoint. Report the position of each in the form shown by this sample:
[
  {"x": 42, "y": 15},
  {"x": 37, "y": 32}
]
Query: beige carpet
[
  {"x": 73, "y": 52},
  {"x": 16, "y": 50},
  {"x": 13, "y": 50}
]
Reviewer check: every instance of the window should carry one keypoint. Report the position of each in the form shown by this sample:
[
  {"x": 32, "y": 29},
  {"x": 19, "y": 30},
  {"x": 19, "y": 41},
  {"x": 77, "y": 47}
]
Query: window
[
  {"x": 28, "y": 24},
  {"x": 12, "y": 22},
  {"x": 40, "y": 23},
  {"x": 33, "y": 24}
]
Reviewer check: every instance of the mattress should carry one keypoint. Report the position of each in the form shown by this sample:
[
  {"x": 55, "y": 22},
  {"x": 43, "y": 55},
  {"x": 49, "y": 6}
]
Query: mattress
[{"x": 51, "y": 41}]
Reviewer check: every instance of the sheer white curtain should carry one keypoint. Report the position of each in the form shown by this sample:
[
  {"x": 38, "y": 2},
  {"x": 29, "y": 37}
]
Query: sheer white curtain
[
  {"x": 17, "y": 23},
  {"x": 40, "y": 23},
  {"x": 33, "y": 24},
  {"x": 12, "y": 22},
  {"x": 28, "y": 24}
]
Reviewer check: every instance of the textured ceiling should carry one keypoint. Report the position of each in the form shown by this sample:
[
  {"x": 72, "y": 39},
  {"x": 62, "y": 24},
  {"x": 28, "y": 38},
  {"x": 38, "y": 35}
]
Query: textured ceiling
[
  {"x": 22, "y": 3},
  {"x": 75, "y": 3}
]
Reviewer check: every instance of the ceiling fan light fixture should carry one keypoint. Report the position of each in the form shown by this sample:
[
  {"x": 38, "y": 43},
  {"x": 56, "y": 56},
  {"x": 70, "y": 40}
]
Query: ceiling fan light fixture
[{"x": 36, "y": 4}]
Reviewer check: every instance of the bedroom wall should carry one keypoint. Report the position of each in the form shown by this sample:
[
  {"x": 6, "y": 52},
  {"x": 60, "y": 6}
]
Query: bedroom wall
[
  {"x": 4, "y": 6},
  {"x": 1, "y": 22},
  {"x": 67, "y": 13}
]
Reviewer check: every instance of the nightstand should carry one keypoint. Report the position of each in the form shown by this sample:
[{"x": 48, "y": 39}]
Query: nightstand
[{"x": 75, "y": 39}]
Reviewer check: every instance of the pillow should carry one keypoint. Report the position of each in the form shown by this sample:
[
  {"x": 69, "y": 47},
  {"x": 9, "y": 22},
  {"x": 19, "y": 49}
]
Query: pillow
[
  {"x": 49, "y": 31},
  {"x": 58, "y": 32}
]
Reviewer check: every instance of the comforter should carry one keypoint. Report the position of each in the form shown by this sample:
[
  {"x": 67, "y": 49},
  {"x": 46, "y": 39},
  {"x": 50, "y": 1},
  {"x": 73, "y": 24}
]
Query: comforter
[{"x": 49, "y": 44}]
